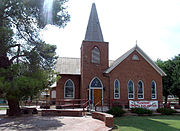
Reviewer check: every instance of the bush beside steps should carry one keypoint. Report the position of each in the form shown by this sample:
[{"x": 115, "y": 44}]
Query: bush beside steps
[{"x": 116, "y": 111}]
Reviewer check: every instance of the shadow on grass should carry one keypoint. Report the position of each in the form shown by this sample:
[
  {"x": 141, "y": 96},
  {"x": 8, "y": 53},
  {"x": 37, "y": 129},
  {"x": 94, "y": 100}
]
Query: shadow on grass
[
  {"x": 36, "y": 123},
  {"x": 147, "y": 123}
]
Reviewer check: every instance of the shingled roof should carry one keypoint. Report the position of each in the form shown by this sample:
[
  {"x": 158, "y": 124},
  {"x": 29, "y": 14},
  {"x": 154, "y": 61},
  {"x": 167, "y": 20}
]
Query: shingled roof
[
  {"x": 68, "y": 65},
  {"x": 93, "y": 32}
]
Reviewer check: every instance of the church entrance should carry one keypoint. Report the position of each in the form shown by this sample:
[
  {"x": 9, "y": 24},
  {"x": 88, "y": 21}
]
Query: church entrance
[
  {"x": 96, "y": 92},
  {"x": 98, "y": 97}
]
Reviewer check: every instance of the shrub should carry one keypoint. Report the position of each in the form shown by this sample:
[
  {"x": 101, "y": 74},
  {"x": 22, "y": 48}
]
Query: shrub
[
  {"x": 141, "y": 111},
  {"x": 166, "y": 111},
  {"x": 116, "y": 111},
  {"x": 177, "y": 107}
]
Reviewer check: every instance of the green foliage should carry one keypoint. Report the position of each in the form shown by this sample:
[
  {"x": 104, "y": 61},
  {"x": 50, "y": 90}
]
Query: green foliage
[
  {"x": 25, "y": 84},
  {"x": 167, "y": 67},
  {"x": 116, "y": 111},
  {"x": 166, "y": 111},
  {"x": 171, "y": 82},
  {"x": 21, "y": 22},
  {"x": 176, "y": 77},
  {"x": 26, "y": 61},
  {"x": 141, "y": 111}
]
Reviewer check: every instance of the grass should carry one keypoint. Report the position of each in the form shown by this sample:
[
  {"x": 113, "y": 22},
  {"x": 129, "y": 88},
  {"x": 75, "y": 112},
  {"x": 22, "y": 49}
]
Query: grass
[
  {"x": 147, "y": 123},
  {"x": 3, "y": 108}
]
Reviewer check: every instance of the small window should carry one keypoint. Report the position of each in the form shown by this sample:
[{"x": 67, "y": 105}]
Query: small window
[
  {"x": 116, "y": 89},
  {"x": 95, "y": 55},
  {"x": 135, "y": 57},
  {"x": 140, "y": 90},
  {"x": 69, "y": 89},
  {"x": 130, "y": 90},
  {"x": 53, "y": 94},
  {"x": 153, "y": 90}
]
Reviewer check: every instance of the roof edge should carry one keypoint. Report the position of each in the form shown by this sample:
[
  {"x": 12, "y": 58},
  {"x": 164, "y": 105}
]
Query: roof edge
[{"x": 143, "y": 54}]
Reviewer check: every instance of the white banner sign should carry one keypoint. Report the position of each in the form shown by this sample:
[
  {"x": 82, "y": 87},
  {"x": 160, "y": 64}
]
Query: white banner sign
[{"x": 152, "y": 105}]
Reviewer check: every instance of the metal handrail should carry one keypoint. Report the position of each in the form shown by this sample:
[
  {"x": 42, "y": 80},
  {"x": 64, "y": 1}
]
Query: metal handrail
[{"x": 86, "y": 104}]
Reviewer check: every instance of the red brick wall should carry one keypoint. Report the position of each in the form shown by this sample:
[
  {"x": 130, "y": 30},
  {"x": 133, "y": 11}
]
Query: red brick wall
[
  {"x": 61, "y": 82},
  {"x": 135, "y": 70},
  {"x": 89, "y": 70}
]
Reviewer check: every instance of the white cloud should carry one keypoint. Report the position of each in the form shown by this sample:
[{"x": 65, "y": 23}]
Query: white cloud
[{"x": 122, "y": 22}]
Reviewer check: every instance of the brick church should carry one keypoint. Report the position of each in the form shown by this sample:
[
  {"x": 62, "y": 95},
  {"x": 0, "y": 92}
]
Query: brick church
[{"x": 131, "y": 77}]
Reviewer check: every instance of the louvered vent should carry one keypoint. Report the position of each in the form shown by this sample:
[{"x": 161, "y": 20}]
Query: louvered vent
[{"x": 95, "y": 55}]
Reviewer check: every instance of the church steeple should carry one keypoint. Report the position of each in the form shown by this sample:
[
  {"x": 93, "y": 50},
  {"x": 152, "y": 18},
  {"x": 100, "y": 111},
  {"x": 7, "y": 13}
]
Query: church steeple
[{"x": 93, "y": 32}]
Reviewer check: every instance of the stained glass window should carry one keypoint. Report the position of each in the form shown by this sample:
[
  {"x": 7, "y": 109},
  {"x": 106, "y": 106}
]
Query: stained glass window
[
  {"x": 130, "y": 89},
  {"x": 96, "y": 83},
  {"x": 140, "y": 90},
  {"x": 116, "y": 89},
  {"x": 153, "y": 90}
]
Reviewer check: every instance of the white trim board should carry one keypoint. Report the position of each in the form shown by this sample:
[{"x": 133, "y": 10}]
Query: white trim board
[{"x": 142, "y": 53}]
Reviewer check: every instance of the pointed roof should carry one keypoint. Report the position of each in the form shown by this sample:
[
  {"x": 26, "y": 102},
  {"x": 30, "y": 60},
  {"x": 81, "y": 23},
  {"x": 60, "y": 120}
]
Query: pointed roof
[
  {"x": 142, "y": 53},
  {"x": 93, "y": 32}
]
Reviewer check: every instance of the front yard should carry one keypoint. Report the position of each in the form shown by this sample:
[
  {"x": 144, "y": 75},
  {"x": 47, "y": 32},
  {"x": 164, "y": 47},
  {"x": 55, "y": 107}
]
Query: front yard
[
  {"x": 3, "y": 108},
  {"x": 147, "y": 123}
]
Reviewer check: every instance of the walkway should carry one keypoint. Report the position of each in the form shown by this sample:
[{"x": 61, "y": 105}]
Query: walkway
[{"x": 39, "y": 123}]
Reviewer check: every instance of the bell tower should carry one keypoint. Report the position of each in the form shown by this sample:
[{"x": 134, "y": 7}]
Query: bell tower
[{"x": 94, "y": 54}]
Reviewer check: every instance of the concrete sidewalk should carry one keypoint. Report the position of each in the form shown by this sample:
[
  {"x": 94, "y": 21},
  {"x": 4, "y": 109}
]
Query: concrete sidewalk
[{"x": 39, "y": 123}]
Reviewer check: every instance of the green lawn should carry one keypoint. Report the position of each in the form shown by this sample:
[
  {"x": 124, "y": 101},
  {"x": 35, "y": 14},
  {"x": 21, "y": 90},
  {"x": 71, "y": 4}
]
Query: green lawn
[
  {"x": 147, "y": 123},
  {"x": 3, "y": 108}
]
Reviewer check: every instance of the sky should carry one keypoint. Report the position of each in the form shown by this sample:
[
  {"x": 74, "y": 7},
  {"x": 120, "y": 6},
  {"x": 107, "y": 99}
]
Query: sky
[{"x": 155, "y": 24}]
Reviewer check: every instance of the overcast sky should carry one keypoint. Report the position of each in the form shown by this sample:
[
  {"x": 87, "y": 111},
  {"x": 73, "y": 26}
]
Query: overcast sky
[{"x": 155, "y": 24}]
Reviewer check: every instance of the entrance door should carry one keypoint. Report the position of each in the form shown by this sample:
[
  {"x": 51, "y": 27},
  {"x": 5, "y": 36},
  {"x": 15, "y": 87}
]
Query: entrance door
[{"x": 97, "y": 96}]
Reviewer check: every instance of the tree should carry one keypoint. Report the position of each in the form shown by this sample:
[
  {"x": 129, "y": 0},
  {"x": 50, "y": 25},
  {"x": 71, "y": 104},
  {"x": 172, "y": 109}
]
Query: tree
[
  {"x": 26, "y": 62},
  {"x": 167, "y": 67},
  {"x": 176, "y": 77}
]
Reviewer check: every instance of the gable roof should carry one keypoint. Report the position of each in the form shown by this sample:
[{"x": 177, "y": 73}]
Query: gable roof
[
  {"x": 68, "y": 65},
  {"x": 142, "y": 53}
]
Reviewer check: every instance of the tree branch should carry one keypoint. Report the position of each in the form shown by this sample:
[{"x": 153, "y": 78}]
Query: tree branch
[{"x": 17, "y": 56}]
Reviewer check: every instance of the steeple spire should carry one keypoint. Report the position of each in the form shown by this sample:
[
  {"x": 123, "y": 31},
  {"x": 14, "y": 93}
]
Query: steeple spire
[{"x": 93, "y": 32}]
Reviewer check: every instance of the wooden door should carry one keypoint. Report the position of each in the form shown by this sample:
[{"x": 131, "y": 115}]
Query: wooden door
[{"x": 98, "y": 96}]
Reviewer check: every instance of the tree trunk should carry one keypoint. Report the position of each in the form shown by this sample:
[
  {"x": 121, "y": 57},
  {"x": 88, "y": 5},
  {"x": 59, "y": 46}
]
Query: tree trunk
[
  {"x": 166, "y": 99},
  {"x": 14, "y": 108}
]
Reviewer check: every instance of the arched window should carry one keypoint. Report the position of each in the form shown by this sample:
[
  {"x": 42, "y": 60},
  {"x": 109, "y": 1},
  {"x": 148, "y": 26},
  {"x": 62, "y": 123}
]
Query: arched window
[
  {"x": 69, "y": 89},
  {"x": 96, "y": 83},
  {"x": 95, "y": 55},
  {"x": 140, "y": 90},
  {"x": 153, "y": 89},
  {"x": 53, "y": 94},
  {"x": 130, "y": 90},
  {"x": 116, "y": 89}
]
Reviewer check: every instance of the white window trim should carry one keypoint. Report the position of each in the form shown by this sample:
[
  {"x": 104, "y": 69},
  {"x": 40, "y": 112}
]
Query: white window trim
[
  {"x": 155, "y": 90},
  {"x": 142, "y": 89},
  {"x": 73, "y": 90},
  {"x": 128, "y": 89},
  {"x": 114, "y": 89}
]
